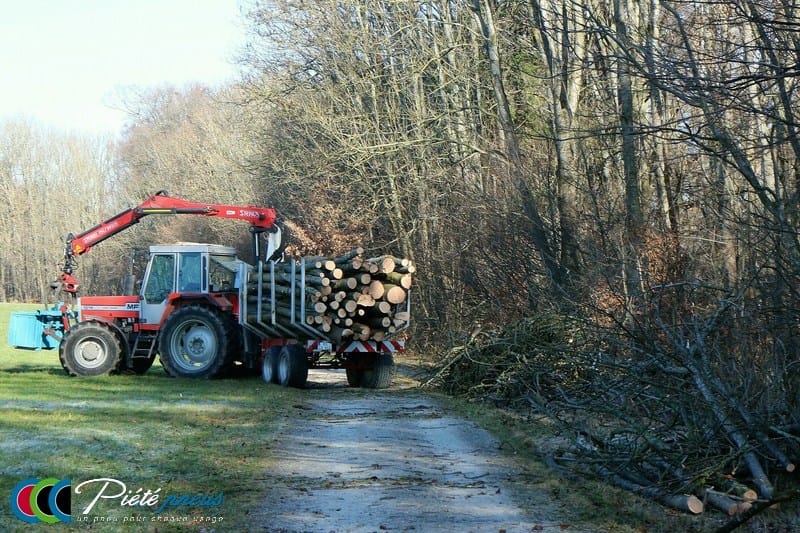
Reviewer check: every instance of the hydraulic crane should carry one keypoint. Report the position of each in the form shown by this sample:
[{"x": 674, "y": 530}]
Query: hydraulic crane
[{"x": 261, "y": 219}]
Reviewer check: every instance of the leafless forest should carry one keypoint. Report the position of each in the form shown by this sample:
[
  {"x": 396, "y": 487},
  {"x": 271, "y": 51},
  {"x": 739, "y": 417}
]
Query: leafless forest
[{"x": 601, "y": 198}]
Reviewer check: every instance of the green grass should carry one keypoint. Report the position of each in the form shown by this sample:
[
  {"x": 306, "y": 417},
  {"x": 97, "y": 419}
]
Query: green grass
[{"x": 150, "y": 432}]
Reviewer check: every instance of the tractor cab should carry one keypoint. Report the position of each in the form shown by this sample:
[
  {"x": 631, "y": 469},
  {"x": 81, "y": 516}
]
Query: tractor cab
[{"x": 185, "y": 269}]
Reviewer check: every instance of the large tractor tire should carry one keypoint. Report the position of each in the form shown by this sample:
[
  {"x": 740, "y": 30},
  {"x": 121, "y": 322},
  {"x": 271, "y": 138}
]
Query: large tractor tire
[
  {"x": 194, "y": 343},
  {"x": 293, "y": 366},
  {"x": 269, "y": 370},
  {"x": 90, "y": 349},
  {"x": 381, "y": 373}
]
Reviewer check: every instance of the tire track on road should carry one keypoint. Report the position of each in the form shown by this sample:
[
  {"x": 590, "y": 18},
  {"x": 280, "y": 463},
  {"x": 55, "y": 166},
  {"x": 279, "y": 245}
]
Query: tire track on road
[{"x": 388, "y": 461}]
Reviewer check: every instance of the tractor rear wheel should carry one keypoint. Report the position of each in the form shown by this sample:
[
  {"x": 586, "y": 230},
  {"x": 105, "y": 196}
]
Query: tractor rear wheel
[
  {"x": 194, "y": 343},
  {"x": 90, "y": 349},
  {"x": 293, "y": 366}
]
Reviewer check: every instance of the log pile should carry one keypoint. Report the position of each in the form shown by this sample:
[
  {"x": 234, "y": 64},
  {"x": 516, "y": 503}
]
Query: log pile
[
  {"x": 723, "y": 493},
  {"x": 346, "y": 298}
]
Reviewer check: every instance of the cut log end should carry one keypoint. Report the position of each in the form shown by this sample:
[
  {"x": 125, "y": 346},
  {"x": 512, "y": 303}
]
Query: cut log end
[
  {"x": 376, "y": 289},
  {"x": 694, "y": 505},
  {"x": 394, "y": 294},
  {"x": 749, "y": 495},
  {"x": 721, "y": 501}
]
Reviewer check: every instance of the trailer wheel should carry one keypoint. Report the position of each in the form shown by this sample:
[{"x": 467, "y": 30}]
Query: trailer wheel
[
  {"x": 90, "y": 349},
  {"x": 380, "y": 375},
  {"x": 354, "y": 377},
  {"x": 194, "y": 343},
  {"x": 293, "y": 366},
  {"x": 269, "y": 370}
]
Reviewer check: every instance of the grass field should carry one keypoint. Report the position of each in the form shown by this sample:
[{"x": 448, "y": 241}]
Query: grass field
[{"x": 150, "y": 432}]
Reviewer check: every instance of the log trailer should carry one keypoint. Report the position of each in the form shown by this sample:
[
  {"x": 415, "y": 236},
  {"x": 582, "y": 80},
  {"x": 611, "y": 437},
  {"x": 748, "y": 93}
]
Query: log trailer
[{"x": 204, "y": 311}]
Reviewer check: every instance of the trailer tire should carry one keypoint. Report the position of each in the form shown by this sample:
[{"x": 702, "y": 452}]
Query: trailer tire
[
  {"x": 381, "y": 373},
  {"x": 90, "y": 349},
  {"x": 354, "y": 377},
  {"x": 269, "y": 370},
  {"x": 194, "y": 343},
  {"x": 293, "y": 366}
]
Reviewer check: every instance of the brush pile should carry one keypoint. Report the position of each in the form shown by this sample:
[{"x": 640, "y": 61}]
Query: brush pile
[{"x": 695, "y": 423}]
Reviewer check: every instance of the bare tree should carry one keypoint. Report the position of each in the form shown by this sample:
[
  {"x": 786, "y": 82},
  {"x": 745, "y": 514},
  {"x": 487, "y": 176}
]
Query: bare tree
[
  {"x": 54, "y": 183},
  {"x": 193, "y": 143}
]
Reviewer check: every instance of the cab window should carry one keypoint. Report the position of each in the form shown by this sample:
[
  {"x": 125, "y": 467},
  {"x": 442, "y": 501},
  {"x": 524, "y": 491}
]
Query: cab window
[
  {"x": 161, "y": 281},
  {"x": 222, "y": 273},
  {"x": 190, "y": 273}
]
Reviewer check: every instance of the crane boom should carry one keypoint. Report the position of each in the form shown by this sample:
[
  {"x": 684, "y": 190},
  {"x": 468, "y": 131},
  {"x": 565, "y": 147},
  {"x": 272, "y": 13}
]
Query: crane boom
[{"x": 261, "y": 219}]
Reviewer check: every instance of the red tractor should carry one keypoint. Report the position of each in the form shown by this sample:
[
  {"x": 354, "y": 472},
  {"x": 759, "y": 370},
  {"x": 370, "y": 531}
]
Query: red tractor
[{"x": 204, "y": 311}]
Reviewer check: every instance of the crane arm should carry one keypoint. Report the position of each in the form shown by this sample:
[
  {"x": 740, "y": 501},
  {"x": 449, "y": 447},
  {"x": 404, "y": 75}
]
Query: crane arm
[{"x": 261, "y": 219}]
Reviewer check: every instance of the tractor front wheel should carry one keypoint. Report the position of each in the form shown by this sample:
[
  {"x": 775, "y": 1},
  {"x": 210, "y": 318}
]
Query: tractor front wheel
[
  {"x": 194, "y": 343},
  {"x": 90, "y": 349}
]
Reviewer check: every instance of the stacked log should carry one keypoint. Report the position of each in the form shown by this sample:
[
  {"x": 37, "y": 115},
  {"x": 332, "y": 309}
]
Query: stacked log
[{"x": 345, "y": 298}]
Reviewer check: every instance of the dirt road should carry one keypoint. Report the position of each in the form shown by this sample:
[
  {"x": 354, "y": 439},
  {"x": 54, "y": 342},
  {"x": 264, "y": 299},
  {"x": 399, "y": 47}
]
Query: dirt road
[{"x": 390, "y": 461}]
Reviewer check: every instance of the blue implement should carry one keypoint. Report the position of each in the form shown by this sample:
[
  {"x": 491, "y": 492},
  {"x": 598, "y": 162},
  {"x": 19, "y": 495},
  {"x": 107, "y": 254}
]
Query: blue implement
[{"x": 36, "y": 330}]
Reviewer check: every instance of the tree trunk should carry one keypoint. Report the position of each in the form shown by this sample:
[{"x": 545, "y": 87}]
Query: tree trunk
[{"x": 507, "y": 131}]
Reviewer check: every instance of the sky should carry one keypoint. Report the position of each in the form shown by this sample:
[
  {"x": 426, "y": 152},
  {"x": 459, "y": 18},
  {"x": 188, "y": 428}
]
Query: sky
[{"x": 66, "y": 63}]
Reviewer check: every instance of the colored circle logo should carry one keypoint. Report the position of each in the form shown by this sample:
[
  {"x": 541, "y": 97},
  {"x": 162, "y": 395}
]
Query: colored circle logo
[{"x": 42, "y": 500}]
